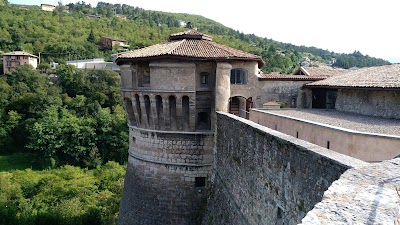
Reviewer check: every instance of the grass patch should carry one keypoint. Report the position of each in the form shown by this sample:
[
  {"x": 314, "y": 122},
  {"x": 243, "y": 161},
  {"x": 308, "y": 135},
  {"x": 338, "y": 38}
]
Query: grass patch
[{"x": 18, "y": 161}]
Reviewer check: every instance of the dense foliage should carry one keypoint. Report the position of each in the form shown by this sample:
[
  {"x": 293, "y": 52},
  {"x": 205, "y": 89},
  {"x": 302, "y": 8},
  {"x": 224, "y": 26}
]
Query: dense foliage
[
  {"x": 62, "y": 35},
  {"x": 77, "y": 120},
  {"x": 67, "y": 195}
]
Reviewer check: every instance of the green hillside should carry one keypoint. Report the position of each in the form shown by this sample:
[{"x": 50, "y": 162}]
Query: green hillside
[{"x": 63, "y": 35}]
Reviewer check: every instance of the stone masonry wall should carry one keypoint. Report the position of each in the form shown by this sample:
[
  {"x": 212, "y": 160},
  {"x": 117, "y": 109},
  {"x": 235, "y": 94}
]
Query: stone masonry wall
[
  {"x": 365, "y": 195},
  {"x": 167, "y": 179},
  {"x": 262, "y": 176},
  {"x": 373, "y": 103}
]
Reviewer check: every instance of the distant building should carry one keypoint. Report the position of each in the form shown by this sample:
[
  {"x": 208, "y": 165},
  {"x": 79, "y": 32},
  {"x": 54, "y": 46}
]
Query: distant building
[
  {"x": 24, "y": 7},
  {"x": 12, "y": 60},
  {"x": 109, "y": 43},
  {"x": 93, "y": 16},
  {"x": 47, "y": 7},
  {"x": 94, "y": 64}
]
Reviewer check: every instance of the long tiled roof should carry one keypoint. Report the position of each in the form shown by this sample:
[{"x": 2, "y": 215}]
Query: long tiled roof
[
  {"x": 193, "y": 46},
  {"x": 381, "y": 77},
  {"x": 323, "y": 71},
  {"x": 307, "y": 74},
  {"x": 277, "y": 76}
]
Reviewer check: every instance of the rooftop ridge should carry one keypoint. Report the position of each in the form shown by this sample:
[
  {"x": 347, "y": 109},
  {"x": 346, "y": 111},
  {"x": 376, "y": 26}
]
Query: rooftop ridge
[{"x": 190, "y": 34}]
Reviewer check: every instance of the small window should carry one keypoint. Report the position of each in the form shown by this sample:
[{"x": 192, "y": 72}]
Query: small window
[
  {"x": 143, "y": 75},
  {"x": 199, "y": 181},
  {"x": 238, "y": 76},
  {"x": 203, "y": 121},
  {"x": 328, "y": 145},
  {"x": 204, "y": 79}
]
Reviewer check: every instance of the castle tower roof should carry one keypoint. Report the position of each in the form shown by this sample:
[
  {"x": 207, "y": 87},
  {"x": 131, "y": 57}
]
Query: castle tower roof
[
  {"x": 190, "y": 45},
  {"x": 190, "y": 34}
]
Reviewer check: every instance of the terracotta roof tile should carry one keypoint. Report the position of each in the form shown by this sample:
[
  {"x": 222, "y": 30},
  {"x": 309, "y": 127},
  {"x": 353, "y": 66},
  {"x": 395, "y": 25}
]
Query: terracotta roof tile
[
  {"x": 190, "y": 34},
  {"x": 190, "y": 48},
  {"x": 16, "y": 53},
  {"x": 387, "y": 76},
  {"x": 324, "y": 71},
  {"x": 308, "y": 73},
  {"x": 277, "y": 76}
]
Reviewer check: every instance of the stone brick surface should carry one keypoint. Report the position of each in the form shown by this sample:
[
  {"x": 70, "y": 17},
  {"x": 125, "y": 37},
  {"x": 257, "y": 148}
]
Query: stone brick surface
[
  {"x": 266, "y": 177},
  {"x": 161, "y": 177},
  {"x": 366, "y": 195},
  {"x": 373, "y": 103}
]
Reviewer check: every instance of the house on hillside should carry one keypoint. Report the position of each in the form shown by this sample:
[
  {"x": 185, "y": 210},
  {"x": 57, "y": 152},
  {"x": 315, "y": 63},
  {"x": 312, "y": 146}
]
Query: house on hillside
[
  {"x": 12, "y": 60},
  {"x": 47, "y": 7},
  {"x": 93, "y": 64},
  {"x": 288, "y": 89},
  {"x": 110, "y": 43}
]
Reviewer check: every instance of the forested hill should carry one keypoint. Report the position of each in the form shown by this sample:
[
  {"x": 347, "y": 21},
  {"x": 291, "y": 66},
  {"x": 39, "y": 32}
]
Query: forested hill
[{"x": 64, "y": 34}]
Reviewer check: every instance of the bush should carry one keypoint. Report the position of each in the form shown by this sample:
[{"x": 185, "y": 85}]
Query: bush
[{"x": 68, "y": 195}]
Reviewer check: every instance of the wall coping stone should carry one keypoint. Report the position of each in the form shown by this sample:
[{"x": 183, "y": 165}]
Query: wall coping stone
[
  {"x": 340, "y": 129},
  {"x": 339, "y": 158},
  {"x": 365, "y": 195}
]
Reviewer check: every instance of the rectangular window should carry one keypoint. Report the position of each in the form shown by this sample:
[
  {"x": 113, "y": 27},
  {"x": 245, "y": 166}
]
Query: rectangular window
[
  {"x": 143, "y": 75},
  {"x": 238, "y": 76},
  {"x": 204, "y": 79},
  {"x": 200, "y": 181}
]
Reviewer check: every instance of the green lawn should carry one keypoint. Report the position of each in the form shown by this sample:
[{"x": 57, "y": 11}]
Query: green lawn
[{"x": 17, "y": 161}]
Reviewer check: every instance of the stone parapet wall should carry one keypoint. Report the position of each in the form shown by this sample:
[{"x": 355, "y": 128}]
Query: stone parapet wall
[
  {"x": 265, "y": 177},
  {"x": 360, "y": 145},
  {"x": 366, "y": 195}
]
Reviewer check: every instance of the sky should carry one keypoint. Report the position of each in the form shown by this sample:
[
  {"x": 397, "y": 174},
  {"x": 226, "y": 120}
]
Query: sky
[{"x": 342, "y": 26}]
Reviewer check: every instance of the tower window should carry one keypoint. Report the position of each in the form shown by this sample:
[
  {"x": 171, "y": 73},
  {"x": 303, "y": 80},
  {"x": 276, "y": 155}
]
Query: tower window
[
  {"x": 204, "y": 79},
  {"x": 238, "y": 76},
  {"x": 143, "y": 75},
  {"x": 199, "y": 181}
]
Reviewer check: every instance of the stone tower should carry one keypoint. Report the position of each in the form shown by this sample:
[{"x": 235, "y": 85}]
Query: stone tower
[{"x": 170, "y": 93}]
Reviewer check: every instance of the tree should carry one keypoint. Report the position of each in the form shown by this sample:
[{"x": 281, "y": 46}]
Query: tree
[{"x": 91, "y": 38}]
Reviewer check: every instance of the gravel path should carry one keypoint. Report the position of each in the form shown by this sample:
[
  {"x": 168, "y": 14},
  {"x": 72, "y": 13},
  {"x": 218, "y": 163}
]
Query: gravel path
[{"x": 346, "y": 120}]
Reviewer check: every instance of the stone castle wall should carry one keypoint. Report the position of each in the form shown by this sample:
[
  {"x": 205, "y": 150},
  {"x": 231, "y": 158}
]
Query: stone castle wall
[
  {"x": 262, "y": 176},
  {"x": 167, "y": 179},
  {"x": 365, "y": 195},
  {"x": 290, "y": 92},
  {"x": 373, "y": 103}
]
